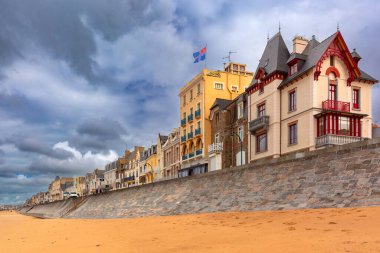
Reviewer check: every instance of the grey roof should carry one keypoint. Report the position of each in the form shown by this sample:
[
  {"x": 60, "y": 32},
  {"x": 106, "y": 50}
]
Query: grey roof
[
  {"x": 222, "y": 103},
  {"x": 274, "y": 57},
  {"x": 294, "y": 56},
  {"x": 313, "y": 56},
  {"x": 355, "y": 54},
  {"x": 365, "y": 76},
  {"x": 163, "y": 138}
]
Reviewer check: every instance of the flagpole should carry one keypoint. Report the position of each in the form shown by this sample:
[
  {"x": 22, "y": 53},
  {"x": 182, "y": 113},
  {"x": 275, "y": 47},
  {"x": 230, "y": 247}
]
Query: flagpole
[{"x": 206, "y": 58}]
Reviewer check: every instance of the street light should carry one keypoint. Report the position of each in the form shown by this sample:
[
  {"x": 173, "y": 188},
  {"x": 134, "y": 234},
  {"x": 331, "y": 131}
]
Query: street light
[
  {"x": 241, "y": 146},
  {"x": 151, "y": 168}
]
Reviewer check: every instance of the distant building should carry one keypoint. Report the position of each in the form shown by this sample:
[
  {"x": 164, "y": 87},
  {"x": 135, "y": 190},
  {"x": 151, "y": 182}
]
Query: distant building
[
  {"x": 79, "y": 183},
  {"x": 58, "y": 187},
  {"x": 171, "y": 154},
  {"x": 161, "y": 139},
  {"x": 97, "y": 184},
  {"x": 197, "y": 96}
]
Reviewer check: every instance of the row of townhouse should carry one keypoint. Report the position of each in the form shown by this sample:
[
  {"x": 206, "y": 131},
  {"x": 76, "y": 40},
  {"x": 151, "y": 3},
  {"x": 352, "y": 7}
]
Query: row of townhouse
[
  {"x": 309, "y": 98},
  {"x": 312, "y": 97}
]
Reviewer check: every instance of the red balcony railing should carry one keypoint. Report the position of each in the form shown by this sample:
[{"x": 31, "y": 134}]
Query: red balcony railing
[{"x": 336, "y": 105}]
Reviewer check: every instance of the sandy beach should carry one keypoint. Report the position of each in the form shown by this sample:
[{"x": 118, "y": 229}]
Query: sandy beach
[{"x": 319, "y": 230}]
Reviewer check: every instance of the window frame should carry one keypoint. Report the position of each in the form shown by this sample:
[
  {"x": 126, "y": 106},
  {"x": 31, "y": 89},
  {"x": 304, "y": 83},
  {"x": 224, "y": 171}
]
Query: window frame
[
  {"x": 292, "y": 100},
  {"x": 293, "y": 133},
  {"x": 258, "y": 149},
  {"x": 240, "y": 134},
  {"x": 217, "y": 83},
  {"x": 356, "y": 98},
  {"x": 259, "y": 112}
]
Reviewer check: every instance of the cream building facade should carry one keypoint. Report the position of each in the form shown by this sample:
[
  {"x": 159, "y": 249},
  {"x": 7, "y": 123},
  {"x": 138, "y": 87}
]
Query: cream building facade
[
  {"x": 312, "y": 97},
  {"x": 171, "y": 155},
  {"x": 197, "y": 97}
]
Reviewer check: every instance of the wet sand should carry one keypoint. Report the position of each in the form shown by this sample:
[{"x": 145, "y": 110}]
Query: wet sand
[{"x": 318, "y": 230}]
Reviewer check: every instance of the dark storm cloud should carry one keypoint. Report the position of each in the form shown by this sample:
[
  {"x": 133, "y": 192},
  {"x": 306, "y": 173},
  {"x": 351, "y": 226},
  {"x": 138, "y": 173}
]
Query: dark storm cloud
[
  {"x": 60, "y": 27},
  {"x": 34, "y": 145},
  {"x": 99, "y": 133}
]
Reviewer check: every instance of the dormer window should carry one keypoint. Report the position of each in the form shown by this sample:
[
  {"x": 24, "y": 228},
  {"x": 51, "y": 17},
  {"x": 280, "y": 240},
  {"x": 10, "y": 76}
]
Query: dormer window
[{"x": 293, "y": 69}]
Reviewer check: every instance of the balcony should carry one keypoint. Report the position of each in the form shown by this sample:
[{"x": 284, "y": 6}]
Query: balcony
[
  {"x": 198, "y": 113},
  {"x": 336, "y": 105},
  {"x": 197, "y": 131},
  {"x": 190, "y": 118},
  {"x": 183, "y": 138},
  {"x": 131, "y": 178},
  {"x": 258, "y": 124},
  {"x": 191, "y": 155},
  {"x": 190, "y": 135},
  {"x": 215, "y": 147},
  {"x": 184, "y": 157},
  {"x": 331, "y": 139},
  {"x": 183, "y": 121},
  {"x": 198, "y": 152}
]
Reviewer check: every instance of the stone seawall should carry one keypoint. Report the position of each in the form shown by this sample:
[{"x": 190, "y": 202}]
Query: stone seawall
[{"x": 343, "y": 176}]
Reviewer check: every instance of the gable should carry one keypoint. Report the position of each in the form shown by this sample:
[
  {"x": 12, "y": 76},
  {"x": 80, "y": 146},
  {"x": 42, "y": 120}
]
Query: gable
[{"x": 339, "y": 49}]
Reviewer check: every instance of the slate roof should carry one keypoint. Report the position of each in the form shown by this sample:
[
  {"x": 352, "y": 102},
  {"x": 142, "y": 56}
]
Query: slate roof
[
  {"x": 355, "y": 54},
  {"x": 274, "y": 57},
  {"x": 313, "y": 54},
  {"x": 163, "y": 138},
  {"x": 222, "y": 103}
]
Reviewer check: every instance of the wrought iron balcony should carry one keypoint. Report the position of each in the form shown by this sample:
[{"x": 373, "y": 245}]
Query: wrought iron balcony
[
  {"x": 332, "y": 139},
  {"x": 198, "y": 113},
  {"x": 215, "y": 147},
  {"x": 183, "y": 121},
  {"x": 190, "y": 135},
  {"x": 191, "y": 155},
  {"x": 198, "y": 152},
  {"x": 190, "y": 118},
  {"x": 258, "y": 124},
  {"x": 336, "y": 105},
  {"x": 197, "y": 131},
  {"x": 184, "y": 157},
  {"x": 183, "y": 138}
]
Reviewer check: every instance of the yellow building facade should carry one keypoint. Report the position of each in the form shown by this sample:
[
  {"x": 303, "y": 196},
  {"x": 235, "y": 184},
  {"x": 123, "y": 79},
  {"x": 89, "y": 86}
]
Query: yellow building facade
[{"x": 196, "y": 99}]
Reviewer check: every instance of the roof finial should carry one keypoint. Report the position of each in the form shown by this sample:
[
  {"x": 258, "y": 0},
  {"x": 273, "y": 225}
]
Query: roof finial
[
  {"x": 337, "y": 27},
  {"x": 268, "y": 37},
  {"x": 279, "y": 26}
]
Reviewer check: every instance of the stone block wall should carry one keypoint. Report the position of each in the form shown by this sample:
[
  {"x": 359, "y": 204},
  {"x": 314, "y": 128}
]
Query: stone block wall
[{"x": 343, "y": 176}]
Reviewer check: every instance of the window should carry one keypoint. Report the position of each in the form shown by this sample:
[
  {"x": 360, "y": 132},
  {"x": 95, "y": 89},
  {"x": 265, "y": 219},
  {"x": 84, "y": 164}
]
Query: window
[
  {"x": 356, "y": 98},
  {"x": 234, "y": 88},
  {"x": 340, "y": 125},
  {"x": 198, "y": 106},
  {"x": 198, "y": 88},
  {"x": 217, "y": 140},
  {"x": 240, "y": 110},
  {"x": 191, "y": 128},
  {"x": 184, "y": 115},
  {"x": 199, "y": 124},
  {"x": 293, "y": 134},
  {"x": 218, "y": 86},
  {"x": 293, "y": 69},
  {"x": 242, "y": 68},
  {"x": 217, "y": 119},
  {"x": 191, "y": 95},
  {"x": 191, "y": 111},
  {"x": 332, "y": 92},
  {"x": 261, "y": 143},
  {"x": 332, "y": 61},
  {"x": 184, "y": 132},
  {"x": 261, "y": 110},
  {"x": 184, "y": 100},
  {"x": 292, "y": 101},
  {"x": 241, "y": 134}
]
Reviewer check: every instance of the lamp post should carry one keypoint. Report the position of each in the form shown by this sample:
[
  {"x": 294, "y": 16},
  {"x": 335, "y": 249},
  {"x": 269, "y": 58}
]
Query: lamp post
[
  {"x": 241, "y": 146},
  {"x": 151, "y": 168}
]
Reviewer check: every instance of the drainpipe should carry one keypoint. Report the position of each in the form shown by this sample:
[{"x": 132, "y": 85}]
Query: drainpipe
[{"x": 280, "y": 120}]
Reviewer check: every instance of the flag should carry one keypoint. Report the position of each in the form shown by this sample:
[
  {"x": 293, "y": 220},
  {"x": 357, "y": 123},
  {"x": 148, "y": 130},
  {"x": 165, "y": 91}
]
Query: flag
[{"x": 200, "y": 55}]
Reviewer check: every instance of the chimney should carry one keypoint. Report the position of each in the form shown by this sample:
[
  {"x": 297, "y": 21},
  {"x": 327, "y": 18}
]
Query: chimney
[
  {"x": 299, "y": 44},
  {"x": 127, "y": 153}
]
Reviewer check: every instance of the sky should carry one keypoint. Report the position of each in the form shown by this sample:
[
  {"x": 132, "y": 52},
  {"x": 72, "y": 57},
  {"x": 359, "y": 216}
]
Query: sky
[{"x": 81, "y": 80}]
